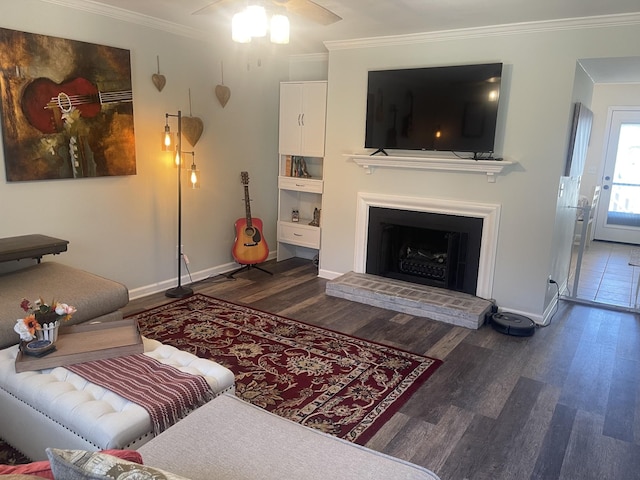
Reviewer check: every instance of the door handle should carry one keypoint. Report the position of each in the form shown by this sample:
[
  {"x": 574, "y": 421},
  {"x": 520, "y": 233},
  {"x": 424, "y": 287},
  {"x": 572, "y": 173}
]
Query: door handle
[{"x": 605, "y": 187}]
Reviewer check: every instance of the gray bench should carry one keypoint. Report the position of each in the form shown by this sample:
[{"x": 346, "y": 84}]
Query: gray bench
[
  {"x": 231, "y": 439},
  {"x": 95, "y": 297}
]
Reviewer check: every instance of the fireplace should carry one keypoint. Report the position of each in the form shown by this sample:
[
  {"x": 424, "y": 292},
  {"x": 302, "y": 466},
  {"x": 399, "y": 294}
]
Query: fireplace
[
  {"x": 422, "y": 247},
  {"x": 449, "y": 228}
]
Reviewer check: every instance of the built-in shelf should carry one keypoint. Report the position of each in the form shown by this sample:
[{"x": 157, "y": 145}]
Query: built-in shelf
[{"x": 489, "y": 167}]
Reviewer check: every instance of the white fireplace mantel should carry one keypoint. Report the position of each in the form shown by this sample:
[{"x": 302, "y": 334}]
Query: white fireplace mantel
[{"x": 490, "y": 167}]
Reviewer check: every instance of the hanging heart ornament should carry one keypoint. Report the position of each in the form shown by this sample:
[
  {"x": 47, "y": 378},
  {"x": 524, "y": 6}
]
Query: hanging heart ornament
[
  {"x": 222, "y": 91},
  {"x": 159, "y": 80},
  {"x": 192, "y": 128}
]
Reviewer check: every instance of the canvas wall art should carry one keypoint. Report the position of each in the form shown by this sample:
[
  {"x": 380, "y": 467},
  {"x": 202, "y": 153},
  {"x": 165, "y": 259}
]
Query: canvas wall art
[{"x": 67, "y": 108}]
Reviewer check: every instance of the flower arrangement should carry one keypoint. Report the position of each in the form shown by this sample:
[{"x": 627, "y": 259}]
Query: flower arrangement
[{"x": 40, "y": 313}]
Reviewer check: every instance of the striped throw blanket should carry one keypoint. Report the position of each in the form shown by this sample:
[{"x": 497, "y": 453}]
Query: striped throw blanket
[{"x": 164, "y": 391}]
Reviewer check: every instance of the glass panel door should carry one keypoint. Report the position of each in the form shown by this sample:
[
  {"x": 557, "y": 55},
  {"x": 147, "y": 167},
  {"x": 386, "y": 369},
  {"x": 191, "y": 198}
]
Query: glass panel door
[{"x": 619, "y": 210}]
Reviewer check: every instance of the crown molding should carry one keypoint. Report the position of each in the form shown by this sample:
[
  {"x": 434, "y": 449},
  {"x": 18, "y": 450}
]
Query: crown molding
[
  {"x": 490, "y": 31},
  {"x": 97, "y": 8}
]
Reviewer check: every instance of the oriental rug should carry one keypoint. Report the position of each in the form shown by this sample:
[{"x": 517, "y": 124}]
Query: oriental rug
[
  {"x": 10, "y": 456},
  {"x": 342, "y": 385}
]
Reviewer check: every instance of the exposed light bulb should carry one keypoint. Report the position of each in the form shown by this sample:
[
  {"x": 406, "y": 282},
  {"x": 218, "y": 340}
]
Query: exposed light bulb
[{"x": 167, "y": 139}]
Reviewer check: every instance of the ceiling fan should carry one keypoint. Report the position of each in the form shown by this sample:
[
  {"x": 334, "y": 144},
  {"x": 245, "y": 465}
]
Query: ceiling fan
[{"x": 305, "y": 8}]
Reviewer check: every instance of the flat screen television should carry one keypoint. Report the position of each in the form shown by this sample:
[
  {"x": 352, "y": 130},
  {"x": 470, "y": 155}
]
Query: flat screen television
[{"x": 451, "y": 108}]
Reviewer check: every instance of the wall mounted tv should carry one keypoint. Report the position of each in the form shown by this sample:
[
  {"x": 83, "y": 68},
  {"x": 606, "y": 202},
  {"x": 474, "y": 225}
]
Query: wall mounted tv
[{"x": 451, "y": 108}]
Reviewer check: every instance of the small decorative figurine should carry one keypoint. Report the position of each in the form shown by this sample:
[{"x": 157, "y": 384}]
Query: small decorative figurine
[{"x": 316, "y": 218}]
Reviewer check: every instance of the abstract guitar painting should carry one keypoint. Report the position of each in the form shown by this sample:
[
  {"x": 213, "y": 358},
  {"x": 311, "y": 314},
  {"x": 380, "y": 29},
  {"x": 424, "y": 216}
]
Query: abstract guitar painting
[{"x": 67, "y": 108}]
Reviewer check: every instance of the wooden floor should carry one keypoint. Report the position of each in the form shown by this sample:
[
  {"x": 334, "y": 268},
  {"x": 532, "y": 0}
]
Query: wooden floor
[{"x": 563, "y": 404}]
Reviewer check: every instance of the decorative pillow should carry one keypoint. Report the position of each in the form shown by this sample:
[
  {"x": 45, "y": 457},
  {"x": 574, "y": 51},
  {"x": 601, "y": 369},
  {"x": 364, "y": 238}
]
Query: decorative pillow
[
  {"x": 43, "y": 468},
  {"x": 82, "y": 465}
]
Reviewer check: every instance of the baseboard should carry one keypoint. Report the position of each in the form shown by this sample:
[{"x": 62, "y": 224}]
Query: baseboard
[
  {"x": 328, "y": 274},
  {"x": 186, "y": 279}
]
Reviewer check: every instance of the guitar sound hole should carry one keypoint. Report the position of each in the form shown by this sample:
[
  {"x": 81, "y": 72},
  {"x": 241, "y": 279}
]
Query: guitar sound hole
[{"x": 249, "y": 231}]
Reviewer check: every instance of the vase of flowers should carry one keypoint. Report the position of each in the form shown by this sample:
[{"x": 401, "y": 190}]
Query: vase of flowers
[{"x": 43, "y": 319}]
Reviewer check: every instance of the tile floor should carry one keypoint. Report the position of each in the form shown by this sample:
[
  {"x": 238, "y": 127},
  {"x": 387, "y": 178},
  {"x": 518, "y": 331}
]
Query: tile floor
[{"x": 606, "y": 276}]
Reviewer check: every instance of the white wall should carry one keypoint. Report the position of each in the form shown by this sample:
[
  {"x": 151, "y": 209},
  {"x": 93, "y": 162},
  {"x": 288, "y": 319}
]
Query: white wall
[
  {"x": 536, "y": 102},
  {"x": 125, "y": 228}
]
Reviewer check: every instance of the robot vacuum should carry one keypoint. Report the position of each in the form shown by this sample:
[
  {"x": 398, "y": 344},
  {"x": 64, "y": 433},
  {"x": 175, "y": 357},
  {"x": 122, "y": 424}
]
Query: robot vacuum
[{"x": 513, "y": 324}]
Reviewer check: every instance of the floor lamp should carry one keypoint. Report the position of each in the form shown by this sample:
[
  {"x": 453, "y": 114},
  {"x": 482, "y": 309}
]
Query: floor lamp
[{"x": 179, "y": 291}]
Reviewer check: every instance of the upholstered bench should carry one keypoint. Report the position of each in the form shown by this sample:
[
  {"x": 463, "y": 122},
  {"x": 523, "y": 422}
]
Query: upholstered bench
[
  {"x": 57, "y": 408},
  {"x": 232, "y": 439}
]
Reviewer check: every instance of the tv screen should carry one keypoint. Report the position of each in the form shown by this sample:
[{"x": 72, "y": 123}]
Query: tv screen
[{"x": 437, "y": 108}]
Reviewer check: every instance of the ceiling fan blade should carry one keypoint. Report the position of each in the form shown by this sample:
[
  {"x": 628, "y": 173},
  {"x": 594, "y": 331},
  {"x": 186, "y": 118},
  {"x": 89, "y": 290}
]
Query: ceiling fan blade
[
  {"x": 310, "y": 10},
  {"x": 208, "y": 9}
]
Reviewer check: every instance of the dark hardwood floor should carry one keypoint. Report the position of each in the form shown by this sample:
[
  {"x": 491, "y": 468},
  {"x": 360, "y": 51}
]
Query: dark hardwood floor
[{"x": 563, "y": 404}]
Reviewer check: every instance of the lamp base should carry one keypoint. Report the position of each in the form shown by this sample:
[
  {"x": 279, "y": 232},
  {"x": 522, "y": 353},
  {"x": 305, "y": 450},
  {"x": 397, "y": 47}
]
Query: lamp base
[{"x": 179, "y": 292}]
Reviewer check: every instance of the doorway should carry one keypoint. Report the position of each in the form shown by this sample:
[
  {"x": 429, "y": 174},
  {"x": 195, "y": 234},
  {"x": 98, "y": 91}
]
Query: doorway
[{"x": 618, "y": 218}]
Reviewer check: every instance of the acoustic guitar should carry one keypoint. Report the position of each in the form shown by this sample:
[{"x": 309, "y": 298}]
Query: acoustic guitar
[{"x": 250, "y": 247}]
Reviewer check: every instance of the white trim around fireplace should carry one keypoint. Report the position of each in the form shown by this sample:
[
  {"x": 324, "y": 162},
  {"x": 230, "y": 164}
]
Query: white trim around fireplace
[{"x": 489, "y": 213}]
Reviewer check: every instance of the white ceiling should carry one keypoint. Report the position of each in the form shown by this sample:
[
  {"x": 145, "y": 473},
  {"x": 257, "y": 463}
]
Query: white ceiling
[{"x": 374, "y": 18}]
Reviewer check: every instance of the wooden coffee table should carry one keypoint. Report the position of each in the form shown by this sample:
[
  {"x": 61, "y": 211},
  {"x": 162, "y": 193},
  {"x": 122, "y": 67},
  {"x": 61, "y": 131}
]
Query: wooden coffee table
[{"x": 86, "y": 342}]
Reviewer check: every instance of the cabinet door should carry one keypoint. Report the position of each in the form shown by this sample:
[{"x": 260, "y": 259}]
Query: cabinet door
[
  {"x": 314, "y": 110},
  {"x": 290, "y": 122}
]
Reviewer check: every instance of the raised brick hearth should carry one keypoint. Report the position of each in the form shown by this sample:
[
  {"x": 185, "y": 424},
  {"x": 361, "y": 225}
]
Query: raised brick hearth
[{"x": 447, "y": 306}]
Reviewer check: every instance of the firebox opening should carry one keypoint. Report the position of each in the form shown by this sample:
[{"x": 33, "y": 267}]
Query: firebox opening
[{"x": 426, "y": 248}]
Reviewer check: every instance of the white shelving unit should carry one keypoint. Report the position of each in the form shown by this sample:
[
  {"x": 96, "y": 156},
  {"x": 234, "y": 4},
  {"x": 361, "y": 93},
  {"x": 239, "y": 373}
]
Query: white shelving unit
[{"x": 302, "y": 132}]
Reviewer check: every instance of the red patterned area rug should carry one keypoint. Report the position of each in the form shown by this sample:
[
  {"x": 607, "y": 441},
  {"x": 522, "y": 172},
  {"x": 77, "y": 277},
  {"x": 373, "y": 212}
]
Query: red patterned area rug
[
  {"x": 10, "y": 456},
  {"x": 320, "y": 378}
]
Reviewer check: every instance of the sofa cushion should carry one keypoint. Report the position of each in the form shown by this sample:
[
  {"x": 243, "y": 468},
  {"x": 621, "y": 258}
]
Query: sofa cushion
[
  {"x": 83, "y": 465},
  {"x": 42, "y": 469},
  {"x": 92, "y": 295}
]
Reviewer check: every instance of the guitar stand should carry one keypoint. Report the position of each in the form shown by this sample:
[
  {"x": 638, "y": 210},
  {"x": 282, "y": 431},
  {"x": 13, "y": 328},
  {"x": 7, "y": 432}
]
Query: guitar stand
[{"x": 248, "y": 267}]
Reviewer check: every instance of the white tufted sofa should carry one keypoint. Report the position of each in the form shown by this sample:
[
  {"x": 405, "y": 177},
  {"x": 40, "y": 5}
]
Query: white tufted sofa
[{"x": 56, "y": 407}]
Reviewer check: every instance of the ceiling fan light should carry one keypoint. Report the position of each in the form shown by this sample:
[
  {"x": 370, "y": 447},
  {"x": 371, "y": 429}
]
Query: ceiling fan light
[
  {"x": 240, "y": 28},
  {"x": 279, "y": 29},
  {"x": 257, "y": 19}
]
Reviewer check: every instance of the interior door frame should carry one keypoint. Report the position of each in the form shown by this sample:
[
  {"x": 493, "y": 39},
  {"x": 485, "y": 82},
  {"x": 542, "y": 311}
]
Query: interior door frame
[{"x": 603, "y": 231}]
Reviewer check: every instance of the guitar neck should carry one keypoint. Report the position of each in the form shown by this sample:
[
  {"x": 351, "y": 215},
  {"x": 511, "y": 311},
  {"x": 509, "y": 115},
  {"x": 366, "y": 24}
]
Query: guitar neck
[
  {"x": 111, "y": 97},
  {"x": 102, "y": 98},
  {"x": 247, "y": 205}
]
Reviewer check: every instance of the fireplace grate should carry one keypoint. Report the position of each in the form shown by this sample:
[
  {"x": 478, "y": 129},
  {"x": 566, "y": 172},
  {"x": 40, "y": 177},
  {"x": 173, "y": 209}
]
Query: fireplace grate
[{"x": 423, "y": 263}]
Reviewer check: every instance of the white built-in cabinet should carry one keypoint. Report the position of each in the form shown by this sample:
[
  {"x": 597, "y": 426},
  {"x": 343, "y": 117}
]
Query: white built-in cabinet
[{"x": 303, "y": 107}]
